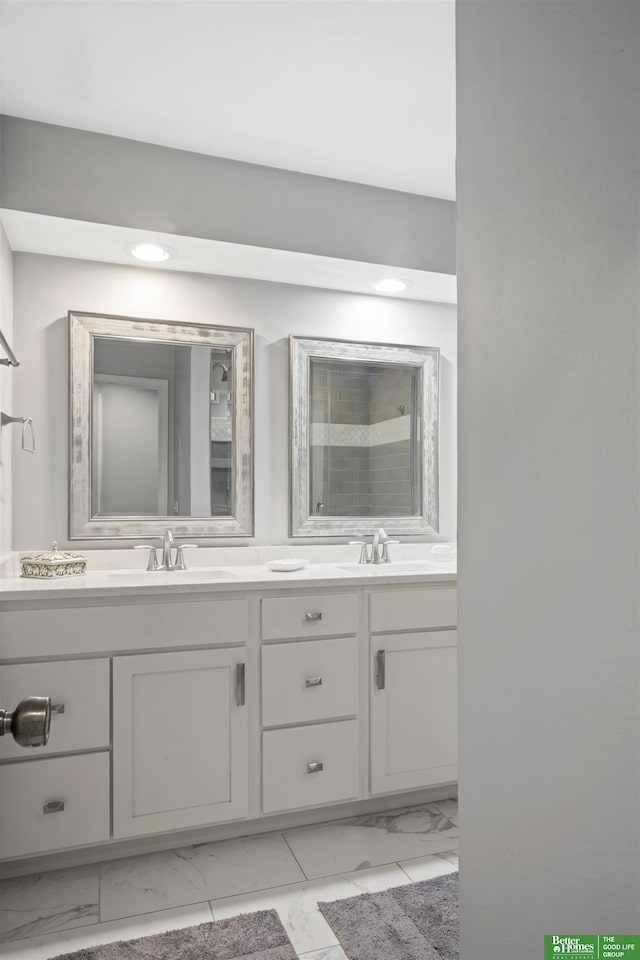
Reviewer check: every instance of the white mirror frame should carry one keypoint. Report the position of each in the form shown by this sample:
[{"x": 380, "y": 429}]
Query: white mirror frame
[
  {"x": 83, "y": 327},
  {"x": 427, "y": 359}
]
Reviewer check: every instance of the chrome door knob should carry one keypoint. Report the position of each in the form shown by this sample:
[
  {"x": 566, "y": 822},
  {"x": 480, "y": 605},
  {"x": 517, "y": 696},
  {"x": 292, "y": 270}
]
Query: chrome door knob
[{"x": 29, "y": 723}]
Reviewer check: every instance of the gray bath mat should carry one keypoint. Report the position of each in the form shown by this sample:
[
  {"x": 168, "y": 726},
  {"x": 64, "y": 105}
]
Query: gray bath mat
[
  {"x": 416, "y": 922},
  {"x": 250, "y": 936}
]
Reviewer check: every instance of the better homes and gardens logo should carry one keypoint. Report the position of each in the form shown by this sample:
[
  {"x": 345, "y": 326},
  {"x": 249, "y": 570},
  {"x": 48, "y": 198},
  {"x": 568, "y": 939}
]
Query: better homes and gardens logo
[{"x": 596, "y": 948}]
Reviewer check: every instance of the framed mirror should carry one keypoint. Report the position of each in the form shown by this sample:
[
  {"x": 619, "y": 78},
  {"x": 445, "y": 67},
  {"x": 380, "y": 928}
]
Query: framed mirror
[
  {"x": 161, "y": 429},
  {"x": 364, "y": 438}
]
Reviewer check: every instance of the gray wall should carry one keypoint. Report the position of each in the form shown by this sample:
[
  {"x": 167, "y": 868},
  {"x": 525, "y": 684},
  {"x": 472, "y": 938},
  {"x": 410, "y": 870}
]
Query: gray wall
[
  {"x": 6, "y": 404},
  {"x": 47, "y": 287},
  {"x": 549, "y": 307},
  {"x": 81, "y": 175}
]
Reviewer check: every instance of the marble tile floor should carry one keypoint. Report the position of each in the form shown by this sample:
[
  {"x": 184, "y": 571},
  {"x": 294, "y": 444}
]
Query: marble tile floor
[{"x": 61, "y": 911}]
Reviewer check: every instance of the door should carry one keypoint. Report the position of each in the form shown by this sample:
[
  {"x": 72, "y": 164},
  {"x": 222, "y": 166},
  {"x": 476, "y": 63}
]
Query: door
[
  {"x": 130, "y": 446},
  {"x": 180, "y": 748},
  {"x": 414, "y": 736}
]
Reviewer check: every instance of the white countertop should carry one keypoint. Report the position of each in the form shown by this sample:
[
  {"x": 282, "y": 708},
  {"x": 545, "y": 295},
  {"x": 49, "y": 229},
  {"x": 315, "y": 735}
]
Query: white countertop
[{"x": 224, "y": 579}]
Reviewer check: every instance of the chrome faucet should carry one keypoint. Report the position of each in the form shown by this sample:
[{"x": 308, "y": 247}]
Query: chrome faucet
[
  {"x": 167, "y": 543},
  {"x": 379, "y": 548},
  {"x": 167, "y": 561},
  {"x": 378, "y": 538}
]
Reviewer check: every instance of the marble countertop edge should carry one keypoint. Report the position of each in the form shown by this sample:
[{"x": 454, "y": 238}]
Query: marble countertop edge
[{"x": 219, "y": 580}]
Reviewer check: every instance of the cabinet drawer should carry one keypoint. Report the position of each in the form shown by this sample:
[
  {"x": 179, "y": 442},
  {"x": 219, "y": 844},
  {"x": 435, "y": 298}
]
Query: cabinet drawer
[
  {"x": 421, "y": 609},
  {"x": 86, "y": 628},
  {"x": 308, "y": 766},
  {"x": 80, "y": 784},
  {"x": 316, "y": 680},
  {"x": 284, "y": 617},
  {"x": 79, "y": 691}
]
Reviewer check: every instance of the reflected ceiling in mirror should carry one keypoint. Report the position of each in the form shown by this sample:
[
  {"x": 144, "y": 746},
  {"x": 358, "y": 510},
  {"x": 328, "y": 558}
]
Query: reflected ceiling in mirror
[{"x": 161, "y": 428}]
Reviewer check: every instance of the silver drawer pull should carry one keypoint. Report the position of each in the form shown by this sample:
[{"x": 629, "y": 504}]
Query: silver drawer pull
[
  {"x": 313, "y": 682},
  {"x": 54, "y": 806},
  {"x": 240, "y": 685},
  {"x": 381, "y": 669},
  {"x": 312, "y": 616},
  {"x": 57, "y": 708},
  {"x": 317, "y": 766}
]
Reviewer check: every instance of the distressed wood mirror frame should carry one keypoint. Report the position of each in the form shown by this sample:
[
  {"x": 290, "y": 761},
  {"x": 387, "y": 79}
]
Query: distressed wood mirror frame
[
  {"x": 425, "y": 362},
  {"x": 238, "y": 342}
]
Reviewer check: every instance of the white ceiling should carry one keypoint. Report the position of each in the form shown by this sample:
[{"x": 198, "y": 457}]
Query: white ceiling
[{"x": 360, "y": 90}]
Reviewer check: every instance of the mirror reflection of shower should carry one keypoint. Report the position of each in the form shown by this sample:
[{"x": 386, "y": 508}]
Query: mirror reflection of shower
[
  {"x": 364, "y": 457},
  {"x": 221, "y": 433},
  {"x": 225, "y": 371}
]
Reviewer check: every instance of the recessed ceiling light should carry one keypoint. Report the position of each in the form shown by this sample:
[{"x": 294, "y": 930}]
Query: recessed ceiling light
[
  {"x": 150, "y": 252},
  {"x": 391, "y": 285}
]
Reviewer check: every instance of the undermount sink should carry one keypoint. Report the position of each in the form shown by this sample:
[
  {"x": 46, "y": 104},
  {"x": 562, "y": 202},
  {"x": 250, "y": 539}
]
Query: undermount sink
[{"x": 204, "y": 574}]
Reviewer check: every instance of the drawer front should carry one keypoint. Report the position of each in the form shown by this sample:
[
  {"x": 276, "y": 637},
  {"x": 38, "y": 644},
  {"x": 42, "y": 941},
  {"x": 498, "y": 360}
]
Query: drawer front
[
  {"x": 309, "y": 766},
  {"x": 53, "y": 804},
  {"x": 422, "y": 609},
  {"x": 121, "y": 627},
  {"x": 79, "y": 691},
  {"x": 316, "y": 680},
  {"x": 285, "y": 617}
]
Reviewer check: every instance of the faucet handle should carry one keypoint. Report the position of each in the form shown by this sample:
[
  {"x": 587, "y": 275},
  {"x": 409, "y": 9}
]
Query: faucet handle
[
  {"x": 153, "y": 556},
  {"x": 364, "y": 553},
  {"x": 385, "y": 558},
  {"x": 180, "y": 564}
]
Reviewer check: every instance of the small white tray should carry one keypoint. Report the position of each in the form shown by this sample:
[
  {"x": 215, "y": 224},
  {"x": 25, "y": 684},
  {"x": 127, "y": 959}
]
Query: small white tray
[{"x": 286, "y": 566}]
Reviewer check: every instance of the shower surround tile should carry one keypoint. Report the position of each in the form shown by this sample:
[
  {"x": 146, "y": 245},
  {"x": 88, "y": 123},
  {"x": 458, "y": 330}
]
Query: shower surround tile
[
  {"x": 208, "y": 871},
  {"x": 297, "y": 905},
  {"x": 367, "y": 841},
  {"x": 48, "y": 902}
]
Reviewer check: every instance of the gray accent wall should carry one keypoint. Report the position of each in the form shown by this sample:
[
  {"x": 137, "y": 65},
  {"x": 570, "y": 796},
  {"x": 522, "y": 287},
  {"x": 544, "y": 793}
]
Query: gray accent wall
[
  {"x": 548, "y": 601},
  {"x": 47, "y": 287},
  {"x": 64, "y": 172}
]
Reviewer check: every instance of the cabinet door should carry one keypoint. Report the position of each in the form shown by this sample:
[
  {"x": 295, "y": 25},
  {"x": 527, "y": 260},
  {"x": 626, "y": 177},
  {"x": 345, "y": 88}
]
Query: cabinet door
[
  {"x": 414, "y": 730},
  {"x": 179, "y": 740}
]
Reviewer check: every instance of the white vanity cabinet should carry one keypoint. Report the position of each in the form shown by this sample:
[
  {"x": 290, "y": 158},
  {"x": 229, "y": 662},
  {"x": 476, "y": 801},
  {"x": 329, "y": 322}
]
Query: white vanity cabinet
[
  {"x": 198, "y": 711},
  {"x": 307, "y": 764},
  {"x": 413, "y": 723},
  {"x": 50, "y": 801},
  {"x": 180, "y": 740}
]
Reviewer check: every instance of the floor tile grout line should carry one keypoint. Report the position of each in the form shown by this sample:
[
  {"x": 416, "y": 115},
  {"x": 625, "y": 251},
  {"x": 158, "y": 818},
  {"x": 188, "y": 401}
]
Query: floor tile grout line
[
  {"x": 284, "y": 837},
  {"x": 405, "y": 872}
]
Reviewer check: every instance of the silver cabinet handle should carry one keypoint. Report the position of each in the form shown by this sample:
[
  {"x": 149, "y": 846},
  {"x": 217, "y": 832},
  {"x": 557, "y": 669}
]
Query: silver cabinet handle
[
  {"x": 240, "y": 684},
  {"x": 312, "y": 616},
  {"x": 381, "y": 669},
  {"x": 313, "y": 682},
  {"x": 57, "y": 708},
  {"x": 316, "y": 766},
  {"x": 54, "y": 806}
]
